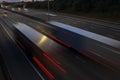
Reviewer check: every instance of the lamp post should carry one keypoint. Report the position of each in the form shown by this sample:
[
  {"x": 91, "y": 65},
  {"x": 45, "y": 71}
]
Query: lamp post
[
  {"x": 32, "y": 0},
  {"x": 48, "y": 9}
]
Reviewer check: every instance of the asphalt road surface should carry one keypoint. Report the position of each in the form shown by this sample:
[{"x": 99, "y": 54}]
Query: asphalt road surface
[
  {"x": 72, "y": 65},
  {"x": 50, "y": 30},
  {"x": 105, "y": 28},
  {"x": 2, "y": 75},
  {"x": 17, "y": 65}
]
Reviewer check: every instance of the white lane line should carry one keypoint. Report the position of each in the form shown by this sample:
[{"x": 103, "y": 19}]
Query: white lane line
[
  {"x": 91, "y": 35},
  {"x": 7, "y": 32},
  {"x": 19, "y": 9},
  {"x": 25, "y": 9},
  {"x": 33, "y": 67},
  {"x": 12, "y": 9},
  {"x": 51, "y": 14}
]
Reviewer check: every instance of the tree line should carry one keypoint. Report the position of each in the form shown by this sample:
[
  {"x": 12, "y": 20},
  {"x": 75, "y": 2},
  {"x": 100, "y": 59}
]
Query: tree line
[{"x": 102, "y": 7}]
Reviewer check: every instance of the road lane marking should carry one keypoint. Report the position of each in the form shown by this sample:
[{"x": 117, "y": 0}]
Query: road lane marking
[{"x": 51, "y": 14}]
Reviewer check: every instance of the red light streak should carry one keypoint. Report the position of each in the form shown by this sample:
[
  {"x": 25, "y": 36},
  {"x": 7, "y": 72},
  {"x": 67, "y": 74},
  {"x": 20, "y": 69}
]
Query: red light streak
[
  {"x": 43, "y": 68},
  {"x": 100, "y": 55},
  {"x": 99, "y": 62},
  {"x": 54, "y": 62},
  {"x": 60, "y": 41}
]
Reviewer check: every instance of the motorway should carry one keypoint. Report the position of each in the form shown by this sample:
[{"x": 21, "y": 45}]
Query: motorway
[
  {"x": 48, "y": 30},
  {"x": 105, "y": 28},
  {"x": 71, "y": 64}
]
